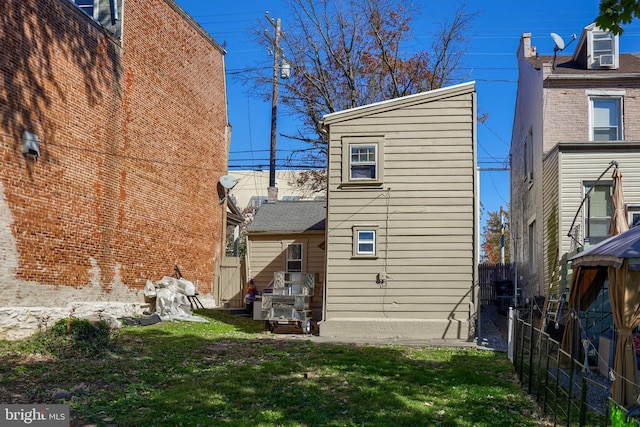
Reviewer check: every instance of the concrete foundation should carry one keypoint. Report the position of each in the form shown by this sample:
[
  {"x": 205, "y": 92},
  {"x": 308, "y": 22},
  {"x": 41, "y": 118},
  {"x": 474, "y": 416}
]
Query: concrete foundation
[{"x": 410, "y": 329}]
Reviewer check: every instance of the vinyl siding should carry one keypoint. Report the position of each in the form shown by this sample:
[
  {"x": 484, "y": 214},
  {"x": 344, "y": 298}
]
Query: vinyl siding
[
  {"x": 267, "y": 256},
  {"x": 588, "y": 165},
  {"x": 425, "y": 213}
]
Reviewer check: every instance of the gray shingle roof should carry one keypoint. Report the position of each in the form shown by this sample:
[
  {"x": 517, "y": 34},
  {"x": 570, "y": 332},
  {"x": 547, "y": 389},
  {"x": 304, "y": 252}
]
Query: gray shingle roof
[{"x": 290, "y": 217}]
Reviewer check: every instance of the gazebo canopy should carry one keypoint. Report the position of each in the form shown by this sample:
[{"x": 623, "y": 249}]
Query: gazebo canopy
[
  {"x": 612, "y": 251},
  {"x": 618, "y": 260}
]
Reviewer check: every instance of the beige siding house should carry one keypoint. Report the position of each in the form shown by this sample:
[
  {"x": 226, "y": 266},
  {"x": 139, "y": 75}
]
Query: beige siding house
[
  {"x": 402, "y": 218},
  {"x": 288, "y": 236}
]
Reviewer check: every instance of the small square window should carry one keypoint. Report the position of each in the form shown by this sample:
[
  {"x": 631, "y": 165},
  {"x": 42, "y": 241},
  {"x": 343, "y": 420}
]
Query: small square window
[{"x": 365, "y": 241}]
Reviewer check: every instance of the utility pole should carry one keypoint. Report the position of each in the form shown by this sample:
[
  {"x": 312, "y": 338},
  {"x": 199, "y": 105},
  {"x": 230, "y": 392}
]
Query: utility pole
[
  {"x": 502, "y": 226},
  {"x": 273, "y": 190}
]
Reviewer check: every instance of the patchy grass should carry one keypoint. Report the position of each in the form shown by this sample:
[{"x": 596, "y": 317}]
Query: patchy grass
[{"x": 228, "y": 372}]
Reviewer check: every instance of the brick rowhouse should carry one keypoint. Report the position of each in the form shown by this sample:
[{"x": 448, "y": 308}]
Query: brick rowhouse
[{"x": 133, "y": 139}]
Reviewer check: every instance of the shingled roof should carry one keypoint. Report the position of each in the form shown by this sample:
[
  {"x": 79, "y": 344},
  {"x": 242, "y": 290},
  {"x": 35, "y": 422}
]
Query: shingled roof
[{"x": 290, "y": 217}]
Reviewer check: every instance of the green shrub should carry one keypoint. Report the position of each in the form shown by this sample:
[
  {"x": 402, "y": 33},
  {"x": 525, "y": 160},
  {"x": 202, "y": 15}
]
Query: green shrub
[
  {"x": 72, "y": 338},
  {"x": 620, "y": 418}
]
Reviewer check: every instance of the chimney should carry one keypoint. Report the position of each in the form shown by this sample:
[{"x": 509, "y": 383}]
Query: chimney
[
  {"x": 272, "y": 194},
  {"x": 528, "y": 51}
]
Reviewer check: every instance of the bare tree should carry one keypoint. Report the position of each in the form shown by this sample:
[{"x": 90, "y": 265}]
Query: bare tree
[{"x": 344, "y": 54}]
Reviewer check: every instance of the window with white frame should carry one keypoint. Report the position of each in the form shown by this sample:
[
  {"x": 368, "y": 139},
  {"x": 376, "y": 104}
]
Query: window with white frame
[
  {"x": 633, "y": 215},
  {"x": 598, "y": 210},
  {"x": 606, "y": 118},
  {"x": 294, "y": 257},
  {"x": 362, "y": 160},
  {"x": 603, "y": 49},
  {"x": 603, "y": 43},
  {"x": 365, "y": 241}
]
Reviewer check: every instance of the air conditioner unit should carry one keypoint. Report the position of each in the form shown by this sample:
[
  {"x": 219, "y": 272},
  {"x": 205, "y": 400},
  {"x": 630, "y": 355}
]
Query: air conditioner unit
[{"x": 606, "y": 60}]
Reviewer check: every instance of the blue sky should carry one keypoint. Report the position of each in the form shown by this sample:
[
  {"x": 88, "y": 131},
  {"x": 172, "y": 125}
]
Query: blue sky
[{"x": 490, "y": 61}]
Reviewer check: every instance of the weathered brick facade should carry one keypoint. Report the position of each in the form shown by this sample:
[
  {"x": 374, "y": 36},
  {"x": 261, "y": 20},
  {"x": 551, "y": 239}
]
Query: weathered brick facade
[{"x": 133, "y": 140}]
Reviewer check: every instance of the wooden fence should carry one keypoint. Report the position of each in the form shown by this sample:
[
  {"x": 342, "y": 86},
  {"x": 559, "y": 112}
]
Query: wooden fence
[{"x": 488, "y": 275}]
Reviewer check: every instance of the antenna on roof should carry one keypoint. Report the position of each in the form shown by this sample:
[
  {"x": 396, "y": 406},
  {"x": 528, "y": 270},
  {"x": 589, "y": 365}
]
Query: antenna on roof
[{"x": 559, "y": 46}]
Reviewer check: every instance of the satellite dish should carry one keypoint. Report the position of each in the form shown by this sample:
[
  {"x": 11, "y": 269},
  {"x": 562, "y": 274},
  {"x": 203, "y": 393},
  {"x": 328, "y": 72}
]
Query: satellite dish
[
  {"x": 228, "y": 181},
  {"x": 558, "y": 41}
]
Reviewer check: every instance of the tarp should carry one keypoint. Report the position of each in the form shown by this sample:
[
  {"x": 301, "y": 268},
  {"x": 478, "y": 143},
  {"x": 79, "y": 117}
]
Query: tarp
[{"x": 171, "y": 298}]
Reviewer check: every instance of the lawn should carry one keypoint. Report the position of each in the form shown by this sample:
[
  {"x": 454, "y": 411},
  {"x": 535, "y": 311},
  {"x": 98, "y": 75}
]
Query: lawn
[{"x": 229, "y": 372}]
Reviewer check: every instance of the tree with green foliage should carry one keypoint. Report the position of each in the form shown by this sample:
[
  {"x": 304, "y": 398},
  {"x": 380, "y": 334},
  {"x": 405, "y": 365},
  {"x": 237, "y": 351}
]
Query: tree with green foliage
[
  {"x": 493, "y": 235},
  {"x": 613, "y": 14}
]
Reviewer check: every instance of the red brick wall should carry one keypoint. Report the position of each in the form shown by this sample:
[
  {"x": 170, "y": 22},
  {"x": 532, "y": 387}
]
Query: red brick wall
[{"x": 133, "y": 143}]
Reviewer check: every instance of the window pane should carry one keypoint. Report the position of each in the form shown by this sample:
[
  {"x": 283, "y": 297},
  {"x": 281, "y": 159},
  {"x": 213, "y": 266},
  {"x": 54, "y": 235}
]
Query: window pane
[
  {"x": 606, "y": 119},
  {"x": 294, "y": 257},
  {"x": 605, "y": 112},
  {"x": 294, "y": 251},
  {"x": 366, "y": 242},
  {"x": 363, "y": 162},
  {"x": 605, "y": 134},
  {"x": 86, "y": 6},
  {"x": 602, "y": 44},
  {"x": 363, "y": 172},
  {"x": 294, "y": 266},
  {"x": 598, "y": 213}
]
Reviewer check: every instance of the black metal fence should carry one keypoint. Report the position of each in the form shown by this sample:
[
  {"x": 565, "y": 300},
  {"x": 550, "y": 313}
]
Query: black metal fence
[{"x": 558, "y": 383}]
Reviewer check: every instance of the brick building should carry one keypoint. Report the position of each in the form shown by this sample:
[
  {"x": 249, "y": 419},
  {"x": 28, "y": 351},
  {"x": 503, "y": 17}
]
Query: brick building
[
  {"x": 113, "y": 137},
  {"x": 575, "y": 115}
]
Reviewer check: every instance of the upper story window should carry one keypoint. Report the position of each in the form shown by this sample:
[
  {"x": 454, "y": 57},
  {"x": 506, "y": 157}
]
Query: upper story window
[
  {"x": 364, "y": 164},
  {"x": 105, "y": 12},
  {"x": 606, "y": 118},
  {"x": 362, "y": 160},
  {"x": 603, "y": 44},
  {"x": 87, "y": 6},
  {"x": 603, "y": 49}
]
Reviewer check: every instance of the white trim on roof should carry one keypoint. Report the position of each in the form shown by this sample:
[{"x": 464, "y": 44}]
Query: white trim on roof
[{"x": 436, "y": 93}]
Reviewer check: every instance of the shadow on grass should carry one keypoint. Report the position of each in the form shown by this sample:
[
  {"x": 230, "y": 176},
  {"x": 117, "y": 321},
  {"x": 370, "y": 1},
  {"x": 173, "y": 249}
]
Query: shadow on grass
[{"x": 180, "y": 374}]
